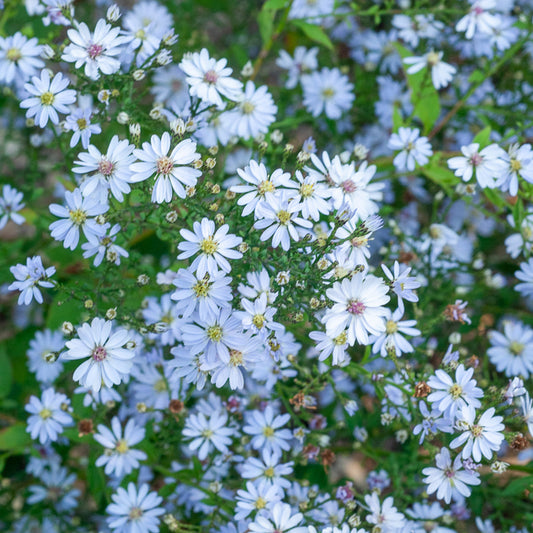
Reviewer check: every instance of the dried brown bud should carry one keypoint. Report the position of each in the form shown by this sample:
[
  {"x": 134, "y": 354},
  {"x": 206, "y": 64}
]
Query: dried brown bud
[
  {"x": 175, "y": 406},
  {"x": 327, "y": 457},
  {"x": 519, "y": 442},
  {"x": 422, "y": 389},
  {"x": 85, "y": 427}
]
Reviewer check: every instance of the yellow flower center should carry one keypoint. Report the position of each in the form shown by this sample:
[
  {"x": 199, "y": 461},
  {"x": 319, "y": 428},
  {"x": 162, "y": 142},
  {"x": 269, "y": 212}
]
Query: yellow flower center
[
  {"x": 47, "y": 98},
  {"x": 306, "y": 190},
  {"x": 515, "y": 165},
  {"x": 268, "y": 432},
  {"x": 201, "y": 289},
  {"x": 432, "y": 58},
  {"x": 160, "y": 385},
  {"x": 82, "y": 123},
  {"x": 235, "y": 358},
  {"x": 140, "y": 34},
  {"x": 208, "y": 246},
  {"x": 77, "y": 216},
  {"x": 456, "y": 390},
  {"x": 265, "y": 186},
  {"x": 258, "y": 321},
  {"x": 14, "y": 54},
  {"x": 247, "y": 107},
  {"x": 164, "y": 165},
  {"x": 328, "y": 93},
  {"x": 340, "y": 339},
  {"x": 476, "y": 430},
  {"x": 121, "y": 446},
  {"x": 207, "y": 433},
  {"x": 45, "y": 413},
  {"x": 260, "y": 503},
  {"x": 135, "y": 513},
  {"x": 214, "y": 333},
  {"x": 516, "y": 348},
  {"x": 269, "y": 472},
  {"x": 391, "y": 327},
  {"x": 283, "y": 217}
]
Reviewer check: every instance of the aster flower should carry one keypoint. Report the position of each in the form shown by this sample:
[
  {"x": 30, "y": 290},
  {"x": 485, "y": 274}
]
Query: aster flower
[
  {"x": 478, "y": 19},
  {"x": 29, "y": 278},
  {"x": 214, "y": 247},
  {"x": 432, "y": 423},
  {"x": 259, "y": 188},
  {"x": 519, "y": 162},
  {"x": 171, "y": 170},
  {"x": 135, "y": 510},
  {"x": 19, "y": 57},
  {"x": 525, "y": 275},
  {"x": 310, "y": 193},
  {"x": 48, "y": 416},
  {"x": 207, "y": 433},
  {"x": 108, "y": 362},
  {"x": 448, "y": 479},
  {"x": 268, "y": 468},
  {"x": 512, "y": 351},
  {"x": 119, "y": 458},
  {"x": 254, "y": 113},
  {"x": 79, "y": 122},
  {"x": 482, "y": 438},
  {"x": 334, "y": 346},
  {"x": 304, "y": 61},
  {"x": 97, "y": 51},
  {"x": 401, "y": 283},
  {"x": 279, "y": 218},
  {"x": 487, "y": 164},
  {"x": 441, "y": 72},
  {"x": 327, "y": 91},
  {"x": 55, "y": 489},
  {"x": 105, "y": 247},
  {"x": 527, "y": 409},
  {"x": 209, "y": 78},
  {"x": 43, "y": 355},
  {"x": 257, "y": 496},
  {"x": 357, "y": 307},
  {"x": 392, "y": 338},
  {"x": 413, "y": 149},
  {"x": 48, "y": 98},
  {"x": 451, "y": 395},
  {"x": 109, "y": 171},
  {"x": 10, "y": 203},
  {"x": 384, "y": 515},
  {"x": 78, "y": 214},
  {"x": 267, "y": 430}
]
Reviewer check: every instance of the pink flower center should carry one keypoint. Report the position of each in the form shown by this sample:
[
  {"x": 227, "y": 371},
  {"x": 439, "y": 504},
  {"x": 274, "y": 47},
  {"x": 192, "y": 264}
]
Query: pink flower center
[
  {"x": 477, "y": 10},
  {"x": 164, "y": 165},
  {"x": 476, "y": 160},
  {"x": 449, "y": 473},
  {"x": 105, "y": 167},
  {"x": 94, "y": 50},
  {"x": 349, "y": 186},
  {"x": 210, "y": 76},
  {"x": 99, "y": 354},
  {"x": 356, "y": 308}
]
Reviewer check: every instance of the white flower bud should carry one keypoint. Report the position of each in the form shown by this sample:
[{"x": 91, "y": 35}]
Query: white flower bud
[
  {"x": 113, "y": 13},
  {"x": 123, "y": 118},
  {"x": 139, "y": 74}
]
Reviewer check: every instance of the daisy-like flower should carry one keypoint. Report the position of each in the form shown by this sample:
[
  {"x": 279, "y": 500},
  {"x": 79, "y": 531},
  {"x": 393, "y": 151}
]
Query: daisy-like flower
[
  {"x": 95, "y": 51},
  {"x": 303, "y": 62},
  {"x": 448, "y": 479},
  {"x": 512, "y": 351},
  {"x": 432, "y": 423},
  {"x": 108, "y": 361},
  {"x": 310, "y": 193},
  {"x": 327, "y": 91},
  {"x": 215, "y": 247},
  {"x": 119, "y": 458},
  {"x": 258, "y": 316},
  {"x": 19, "y": 57},
  {"x": 392, "y": 338},
  {"x": 29, "y": 278},
  {"x": 334, "y": 346},
  {"x": 208, "y": 433},
  {"x": 358, "y": 308},
  {"x": 48, "y": 97},
  {"x": 79, "y": 122},
  {"x": 481, "y": 438},
  {"x": 267, "y": 430},
  {"x": 279, "y": 218},
  {"x": 441, "y": 72},
  {"x": 257, "y": 496},
  {"x": 527, "y": 409},
  {"x": 43, "y": 353},
  {"x": 413, "y": 149},
  {"x": 207, "y": 294},
  {"x": 105, "y": 247},
  {"x": 519, "y": 162},
  {"x": 487, "y": 164},
  {"x": 10, "y": 203},
  {"x": 170, "y": 170},
  {"x": 452, "y": 395},
  {"x": 283, "y": 520},
  {"x": 135, "y": 510},
  {"x": 78, "y": 213},
  {"x": 109, "y": 171},
  {"x": 260, "y": 188},
  {"x": 478, "y": 19},
  {"x": 384, "y": 515},
  {"x": 49, "y": 416},
  {"x": 254, "y": 113},
  {"x": 209, "y": 78},
  {"x": 401, "y": 283},
  {"x": 268, "y": 468}
]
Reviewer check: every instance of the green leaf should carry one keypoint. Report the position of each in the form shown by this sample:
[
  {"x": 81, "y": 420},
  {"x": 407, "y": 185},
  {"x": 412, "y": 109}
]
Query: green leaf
[
  {"x": 483, "y": 137},
  {"x": 266, "y": 17},
  {"x": 96, "y": 480},
  {"x": 314, "y": 32},
  {"x": 397, "y": 119},
  {"x": 6, "y": 376},
  {"x": 14, "y": 438},
  {"x": 517, "y": 486},
  {"x": 60, "y": 312}
]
